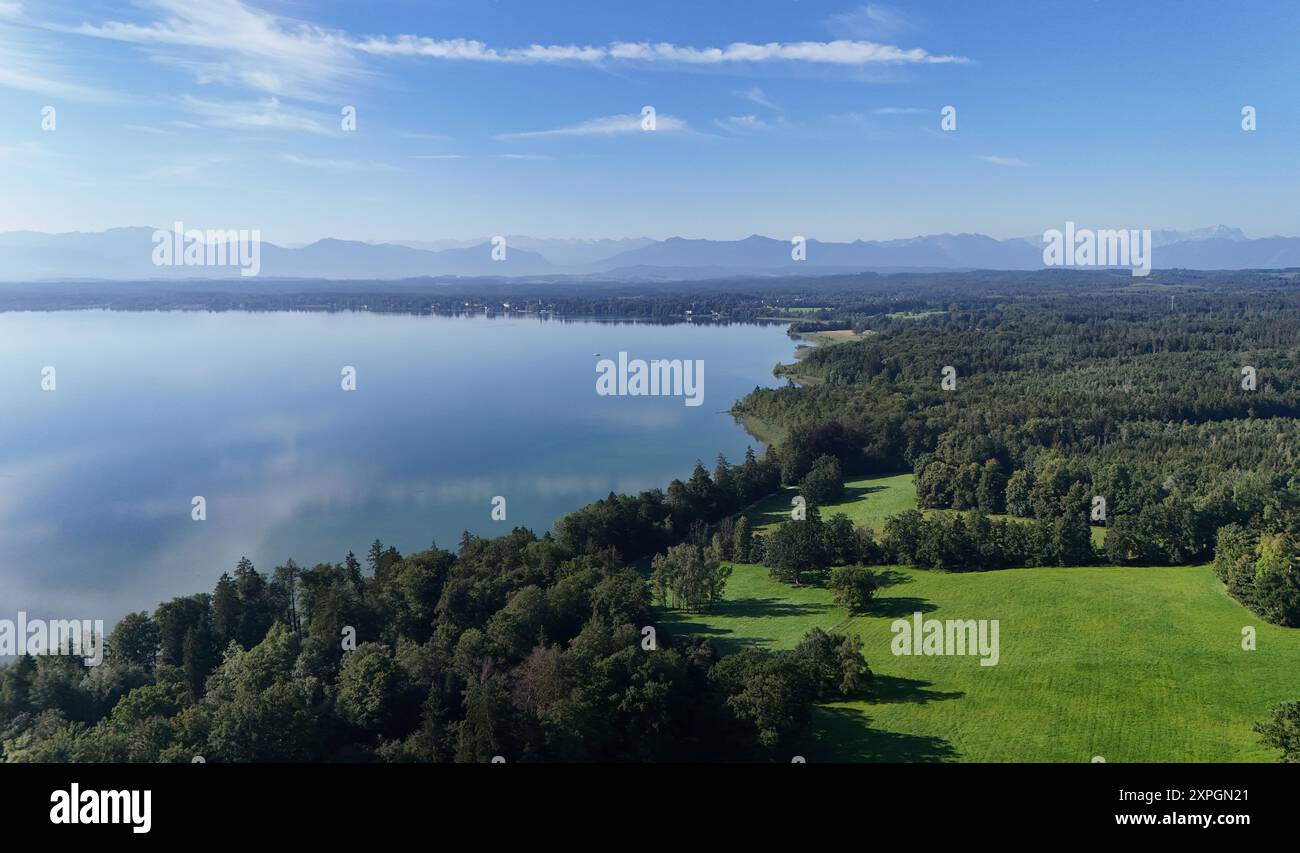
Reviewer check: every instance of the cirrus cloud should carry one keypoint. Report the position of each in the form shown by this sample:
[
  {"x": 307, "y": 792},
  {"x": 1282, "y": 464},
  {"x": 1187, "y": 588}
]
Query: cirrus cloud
[
  {"x": 838, "y": 52},
  {"x": 605, "y": 126},
  {"x": 231, "y": 42},
  {"x": 1009, "y": 162}
]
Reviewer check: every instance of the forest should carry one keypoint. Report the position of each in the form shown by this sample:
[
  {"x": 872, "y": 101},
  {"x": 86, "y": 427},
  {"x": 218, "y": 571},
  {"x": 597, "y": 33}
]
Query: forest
[
  {"x": 1166, "y": 414},
  {"x": 1032, "y": 408}
]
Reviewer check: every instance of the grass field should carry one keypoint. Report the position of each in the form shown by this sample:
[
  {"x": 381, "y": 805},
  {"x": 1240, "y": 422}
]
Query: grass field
[
  {"x": 1130, "y": 664},
  {"x": 834, "y": 336},
  {"x": 867, "y": 503}
]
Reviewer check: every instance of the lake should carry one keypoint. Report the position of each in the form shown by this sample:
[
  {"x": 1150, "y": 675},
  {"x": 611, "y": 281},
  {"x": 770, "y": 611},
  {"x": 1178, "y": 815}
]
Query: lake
[{"x": 248, "y": 411}]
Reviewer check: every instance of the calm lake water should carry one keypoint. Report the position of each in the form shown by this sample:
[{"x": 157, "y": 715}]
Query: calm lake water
[{"x": 247, "y": 410}]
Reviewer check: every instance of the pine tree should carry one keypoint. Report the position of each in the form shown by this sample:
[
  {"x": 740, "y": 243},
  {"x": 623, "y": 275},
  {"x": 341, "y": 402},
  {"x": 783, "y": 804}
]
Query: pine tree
[
  {"x": 199, "y": 658},
  {"x": 742, "y": 541},
  {"x": 374, "y": 556},
  {"x": 353, "y": 569},
  {"x": 225, "y": 611}
]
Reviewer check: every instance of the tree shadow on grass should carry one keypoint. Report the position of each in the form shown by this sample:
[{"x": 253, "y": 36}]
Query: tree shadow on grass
[
  {"x": 724, "y": 643},
  {"x": 892, "y": 688},
  {"x": 773, "y": 510},
  {"x": 845, "y": 734},
  {"x": 892, "y": 577},
  {"x": 853, "y": 494},
  {"x": 776, "y": 508},
  {"x": 899, "y": 605},
  {"x": 683, "y": 623},
  {"x": 771, "y": 607}
]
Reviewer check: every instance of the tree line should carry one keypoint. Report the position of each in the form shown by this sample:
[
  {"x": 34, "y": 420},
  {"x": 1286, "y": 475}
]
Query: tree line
[{"x": 530, "y": 648}]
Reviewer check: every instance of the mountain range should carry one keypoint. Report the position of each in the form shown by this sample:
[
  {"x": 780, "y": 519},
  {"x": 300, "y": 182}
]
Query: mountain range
[{"x": 127, "y": 254}]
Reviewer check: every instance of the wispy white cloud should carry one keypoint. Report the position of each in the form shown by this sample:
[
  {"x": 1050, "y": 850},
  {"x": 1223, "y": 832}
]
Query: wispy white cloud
[
  {"x": 29, "y": 66},
  {"x": 266, "y": 114},
  {"x": 144, "y": 128},
  {"x": 467, "y": 49},
  {"x": 750, "y": 123},
  {"x": 746, "y": 122},
  {"x": 231, "y": 42},
  {"x": 855, "y": 119},
  {"x": 605, "y": 126},
  {"x": 10, "y": 9},
  {"x": 28, "y": 81},
  {"x": 839, "y": 52},
  {"x": 757, "y": 96},
  {"x": 870, "y": 21},
  {"x": 1010, "y": 162},
  {"x": 432, "y": 137}
]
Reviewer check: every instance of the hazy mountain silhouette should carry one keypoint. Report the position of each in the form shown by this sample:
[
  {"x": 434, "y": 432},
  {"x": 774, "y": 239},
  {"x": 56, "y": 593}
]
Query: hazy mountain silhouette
[{"x": 127, "y": 253}]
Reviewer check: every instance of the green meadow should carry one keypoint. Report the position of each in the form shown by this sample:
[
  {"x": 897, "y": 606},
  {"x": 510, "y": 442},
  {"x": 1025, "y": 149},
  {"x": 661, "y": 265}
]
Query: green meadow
[
  {"x": 1129, "y": 664},
  {"x": 867, "y": 503}
]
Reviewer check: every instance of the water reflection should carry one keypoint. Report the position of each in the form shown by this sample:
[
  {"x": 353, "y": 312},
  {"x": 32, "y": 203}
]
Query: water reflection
[{"x": 246, "y": 410}]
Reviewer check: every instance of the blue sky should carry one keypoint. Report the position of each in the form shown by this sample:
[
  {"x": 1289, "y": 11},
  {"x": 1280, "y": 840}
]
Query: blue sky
[{"x": 780, "y": 118}]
